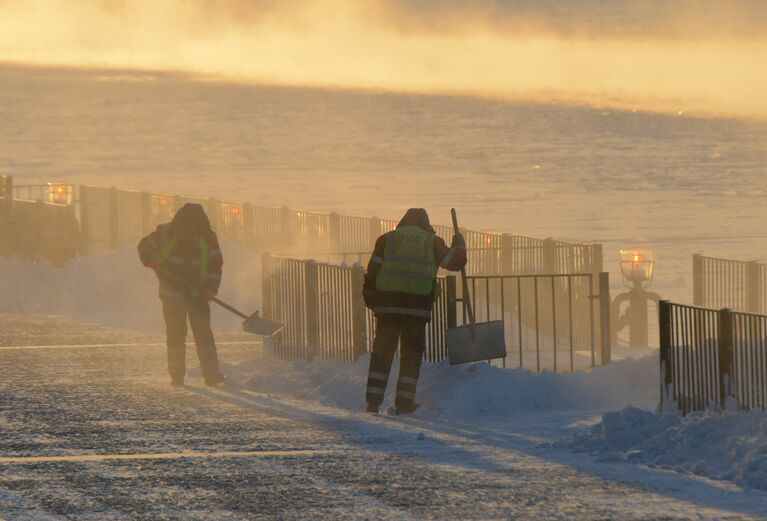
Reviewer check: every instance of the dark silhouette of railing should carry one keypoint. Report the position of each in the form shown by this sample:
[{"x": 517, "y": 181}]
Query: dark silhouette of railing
[{"x": 712, "y": 358}]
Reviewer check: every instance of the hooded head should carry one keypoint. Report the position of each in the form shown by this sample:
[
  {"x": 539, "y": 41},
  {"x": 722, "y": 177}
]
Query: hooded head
[
  {"x": 416, "y": 217},
  {"x": 191, "y": 220}
]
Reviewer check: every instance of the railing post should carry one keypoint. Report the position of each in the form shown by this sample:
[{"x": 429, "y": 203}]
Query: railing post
[
  {"x": 334, "y": 230},
  {"x": 597, "y": 259},
  {"x": 753, "y": 287},
  {"x": 84, "y": 242},
  {"x": 248, "y": 224},
  {"x": 507, "y": 255},
  {"x": 359, "y": 313},
  {"x": 285, "y": 228},
  {"x": 267, "y": 269},
  {"x": 312, "y": 299},
  {"x": 6, "y": 215},
  {"x": 114, "y": 218},
  {"x": 604, "y": 317},
  {"x": 374, "y": 231},
  {"x": 549, "y": 256},
  {"x": 146, "y": 212},
  {"x": 725, "y": 355},
  {"x": 177, "y": 203},
  {"x": 698, "y": 291},
  {"x": 213, "y": 207},
  {"x": 666, "y": 370},
  {"x": 451, "y": 296}
]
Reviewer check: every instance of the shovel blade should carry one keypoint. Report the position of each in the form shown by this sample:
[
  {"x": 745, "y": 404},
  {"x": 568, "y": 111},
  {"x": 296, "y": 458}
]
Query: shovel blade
[
  {"x": 475, "y": 343},
  {"x": 261, "y": 326}
]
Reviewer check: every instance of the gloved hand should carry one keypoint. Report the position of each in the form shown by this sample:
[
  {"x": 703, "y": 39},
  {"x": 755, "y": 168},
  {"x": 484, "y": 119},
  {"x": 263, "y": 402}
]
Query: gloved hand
[
  {"x": 458, "y": 241},
  {"x": 207, "y": 294},
  {"x": 154, "y": 264}
]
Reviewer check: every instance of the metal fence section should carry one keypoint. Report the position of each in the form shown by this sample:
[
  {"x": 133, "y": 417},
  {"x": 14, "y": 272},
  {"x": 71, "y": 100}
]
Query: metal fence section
[
  {"x": 110, "y": 217},
  {"x": 728, "y": 283},
  {"x": 37, "y": 228},
  {"x": 552, "y": 322},
  {"x": 689, "y": 355},
  {"x": 712, "y": 357},
  {"x": 322, "y": 307},
  {"x": 749, "y": 359}
]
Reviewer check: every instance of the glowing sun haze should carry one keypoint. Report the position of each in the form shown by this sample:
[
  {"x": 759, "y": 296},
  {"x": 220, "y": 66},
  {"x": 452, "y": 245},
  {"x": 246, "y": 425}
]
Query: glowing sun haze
[{"x": 686, "y": 58}]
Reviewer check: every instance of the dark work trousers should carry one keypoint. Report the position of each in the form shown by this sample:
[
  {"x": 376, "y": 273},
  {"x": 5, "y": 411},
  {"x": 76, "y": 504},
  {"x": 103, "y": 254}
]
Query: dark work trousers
[
  {"x": 389, "y": 330},
  {"x": 175, "y": 311}
]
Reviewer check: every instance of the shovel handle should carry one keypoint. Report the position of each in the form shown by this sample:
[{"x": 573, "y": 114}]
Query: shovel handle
[
  {"x": 230, "y": 308},
  {"x": 214, "y": 299},
  {"x": 465, "y": 299}
]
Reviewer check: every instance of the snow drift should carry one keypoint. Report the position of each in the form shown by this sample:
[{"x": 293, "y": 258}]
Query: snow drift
[
  {"x": 460, "y": 391},
  {"x": 115, "y": 289},
  {"x": 729, "y": 446}
]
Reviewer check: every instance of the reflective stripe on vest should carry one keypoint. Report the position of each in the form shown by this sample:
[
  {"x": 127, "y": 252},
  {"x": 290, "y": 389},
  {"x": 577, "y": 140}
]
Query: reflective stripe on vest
[
  {"x": 409, "y": 265},
  {"x": 163, "y": 254}
]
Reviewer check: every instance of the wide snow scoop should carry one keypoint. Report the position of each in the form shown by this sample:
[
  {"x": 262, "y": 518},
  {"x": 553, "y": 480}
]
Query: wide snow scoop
[
  {"x": 473, "y": 342},
  {"x": 252, "y": 323}
]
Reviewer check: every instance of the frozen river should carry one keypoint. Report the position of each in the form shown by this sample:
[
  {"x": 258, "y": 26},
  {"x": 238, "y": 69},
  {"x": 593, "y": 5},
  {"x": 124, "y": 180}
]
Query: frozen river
[{"x": 677, "y": 182}]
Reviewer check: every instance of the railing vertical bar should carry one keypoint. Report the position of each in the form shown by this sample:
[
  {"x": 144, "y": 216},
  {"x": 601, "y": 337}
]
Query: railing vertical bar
[
  {"x": 537, "y": 328},
  {"x": 570, "y": 320},
  {"x": 519, "y": 318},
  {"x": 503, "y": 318},
  {"x": 487, "y": 299},
  {"x": 591, "y": 321},
  {"x": 554, "y": 320}
]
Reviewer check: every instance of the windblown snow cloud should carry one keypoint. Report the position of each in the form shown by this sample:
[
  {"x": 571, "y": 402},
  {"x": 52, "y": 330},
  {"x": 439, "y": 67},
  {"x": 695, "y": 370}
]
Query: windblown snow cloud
[{"x": 689, "y": 55}]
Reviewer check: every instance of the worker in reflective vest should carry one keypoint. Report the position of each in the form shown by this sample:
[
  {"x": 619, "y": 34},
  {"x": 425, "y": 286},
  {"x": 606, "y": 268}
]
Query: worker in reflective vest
[
  {"x": 400, "y": 287},
  {"x": 187, "y": 259}
]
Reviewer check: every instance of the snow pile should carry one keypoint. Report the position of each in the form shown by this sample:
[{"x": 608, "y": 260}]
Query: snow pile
[
  {"x": 729, "y": 446},
  {"x": 461, "y": 391},
  {"x": 114, "y": 288}
]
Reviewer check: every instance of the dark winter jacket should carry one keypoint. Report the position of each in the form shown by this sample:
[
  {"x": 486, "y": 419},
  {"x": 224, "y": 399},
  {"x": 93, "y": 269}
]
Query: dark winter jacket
[
  {"x": 452, "y": 258},
  {"x": 188, "y": 262}
]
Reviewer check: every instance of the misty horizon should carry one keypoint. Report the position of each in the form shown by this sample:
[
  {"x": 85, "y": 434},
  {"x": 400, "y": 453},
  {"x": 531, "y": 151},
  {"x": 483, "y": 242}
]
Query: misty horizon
[{"x": 691, "y": 56}]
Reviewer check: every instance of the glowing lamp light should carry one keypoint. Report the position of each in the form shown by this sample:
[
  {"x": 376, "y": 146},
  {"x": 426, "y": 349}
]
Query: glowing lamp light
[
  {"x": 163, "y": 202},
  {"x": 234, "y": 210},
  {"x": 59, "y": 194},
  {"x": 637, "y": 267}
]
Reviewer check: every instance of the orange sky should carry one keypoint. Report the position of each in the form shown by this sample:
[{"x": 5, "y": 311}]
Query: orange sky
[{"x": 369, "y": 44}]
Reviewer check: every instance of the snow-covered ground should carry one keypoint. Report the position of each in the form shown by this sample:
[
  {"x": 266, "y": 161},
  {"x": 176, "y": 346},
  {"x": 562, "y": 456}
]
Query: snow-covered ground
[
  {"x": 728, "y": 446},
  {"x": 463, "y": 391},
  {"x": 98, "y": 433}
]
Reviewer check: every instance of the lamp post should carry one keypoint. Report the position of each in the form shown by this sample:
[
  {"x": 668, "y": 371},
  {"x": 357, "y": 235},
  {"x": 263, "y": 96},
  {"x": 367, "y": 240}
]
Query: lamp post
[{"x": 637, "y": 269}]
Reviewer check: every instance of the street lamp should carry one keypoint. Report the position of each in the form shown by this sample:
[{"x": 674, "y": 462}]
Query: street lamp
[{"x": 637, "y": 269}]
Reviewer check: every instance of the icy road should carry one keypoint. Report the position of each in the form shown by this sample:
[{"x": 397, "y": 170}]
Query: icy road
[{"x": 98, "y": 433}]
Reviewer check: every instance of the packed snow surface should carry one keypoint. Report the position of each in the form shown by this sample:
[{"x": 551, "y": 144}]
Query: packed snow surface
[
  {"x": 464, "y": 390},
  {"x": 729, "y": 446}
]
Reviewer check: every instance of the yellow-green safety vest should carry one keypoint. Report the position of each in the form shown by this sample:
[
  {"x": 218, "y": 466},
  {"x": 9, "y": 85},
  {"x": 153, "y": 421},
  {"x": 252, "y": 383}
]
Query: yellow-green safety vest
[
  {"x": 163, "y": 254},
  {"x": 409, "y": 265}
]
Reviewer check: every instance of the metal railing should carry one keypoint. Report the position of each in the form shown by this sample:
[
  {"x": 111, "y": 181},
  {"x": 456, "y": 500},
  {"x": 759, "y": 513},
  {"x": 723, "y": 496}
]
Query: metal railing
[
  {"x": 728, "y": 283},
  {"x": 54, "y": 193},
  {"x": 552, "y": 322},
  {"x": 110, "y": 217},
  {"x": 712, "y": 358},
  {"x": 322, "y": 307},
  {"x": 36, "y": 228}
]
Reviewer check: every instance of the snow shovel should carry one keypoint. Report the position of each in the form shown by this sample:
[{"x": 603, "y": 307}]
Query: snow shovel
[
  {"x": 252, "y": 323},
  {"x": 473, "y": 342}
]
